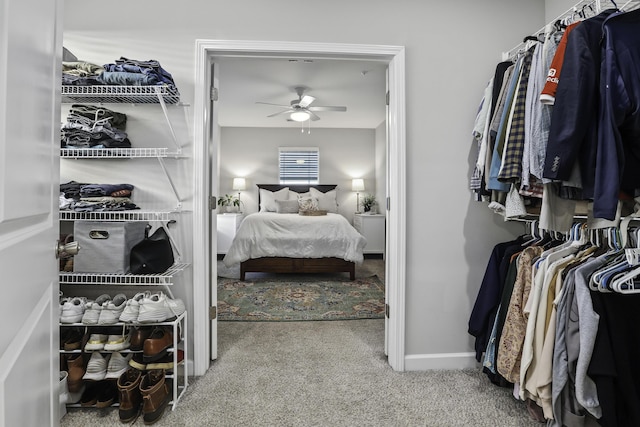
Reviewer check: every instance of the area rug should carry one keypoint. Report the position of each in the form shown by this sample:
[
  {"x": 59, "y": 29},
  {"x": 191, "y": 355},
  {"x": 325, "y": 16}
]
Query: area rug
[{"x": 295, "y": 298}]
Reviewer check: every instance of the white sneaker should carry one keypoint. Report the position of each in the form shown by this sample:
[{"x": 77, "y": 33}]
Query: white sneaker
[
  {"x": 73, "y": 310},
  {"x": 63, "y": 301},
  {"x": 158, "y": 308},
  {"x": 132, "y": 308},
  {"x": 111, "y": 310},
  {"x": 118, "y": 364},
  {"x": 117, "y": 343},
  {"x": 96, "y": 342},
  {"x": 93, "y": 309},
  {"x": 97, "y": 366},
  {"x": 176, "y": 306}
]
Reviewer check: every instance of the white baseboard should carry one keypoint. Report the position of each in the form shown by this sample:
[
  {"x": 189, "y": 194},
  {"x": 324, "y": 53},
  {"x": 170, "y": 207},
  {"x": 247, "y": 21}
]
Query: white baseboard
[{"x": 440, "y": 361}]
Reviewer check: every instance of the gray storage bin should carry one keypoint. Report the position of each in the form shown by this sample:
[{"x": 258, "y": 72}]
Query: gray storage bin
[{"x": 105, "y": 246}]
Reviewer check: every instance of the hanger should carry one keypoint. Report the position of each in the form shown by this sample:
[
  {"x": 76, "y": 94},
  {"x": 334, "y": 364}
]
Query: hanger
[
  {"x": 533, "y": 228},
  {"x": 596, "y": 279},
  {"x": 559, "y": 25},
  {"x": 618, "y": 260},
  {"x": 584, "y": 13},
  {"x": 625, "y": 283},
  {"x": 602, "y": 279}
]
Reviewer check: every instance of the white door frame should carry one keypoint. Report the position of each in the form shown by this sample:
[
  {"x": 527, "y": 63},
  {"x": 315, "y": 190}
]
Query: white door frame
[{"x": 396, "y": 206}]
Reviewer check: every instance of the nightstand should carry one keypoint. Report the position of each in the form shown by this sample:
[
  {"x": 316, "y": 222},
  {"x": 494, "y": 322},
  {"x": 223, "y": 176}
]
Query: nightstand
[
  {"x": 372, "y": 227},
  {"x": 228, "y": 224}
]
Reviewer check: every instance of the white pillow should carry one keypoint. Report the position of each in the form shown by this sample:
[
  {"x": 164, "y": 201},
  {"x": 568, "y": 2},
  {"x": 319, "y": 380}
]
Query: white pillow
[
  {"x": 326, "y": 201},
  {"x": 268, "y": 199},
  {"x": 295, "y": 196}
]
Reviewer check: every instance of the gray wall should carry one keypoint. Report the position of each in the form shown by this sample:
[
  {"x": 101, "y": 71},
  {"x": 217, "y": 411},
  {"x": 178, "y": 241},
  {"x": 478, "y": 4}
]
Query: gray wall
[
  {"x": 555, "y": 8},
  {"x": 451, "y": 52},
  {"x": 253, "y": 153}
]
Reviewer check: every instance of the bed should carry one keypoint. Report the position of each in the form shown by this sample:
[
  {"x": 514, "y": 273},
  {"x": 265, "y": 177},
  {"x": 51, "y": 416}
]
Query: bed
[{"x": 277, "y": 240}]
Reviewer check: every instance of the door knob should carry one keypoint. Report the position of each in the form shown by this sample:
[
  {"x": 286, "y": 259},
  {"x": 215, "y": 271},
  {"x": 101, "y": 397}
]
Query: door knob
[{"x": 66, "y": 250}]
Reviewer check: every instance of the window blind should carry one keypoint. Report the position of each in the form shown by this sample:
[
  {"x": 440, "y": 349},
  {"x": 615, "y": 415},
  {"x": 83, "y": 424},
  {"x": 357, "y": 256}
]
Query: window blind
[{"x": 299, "y": 165}]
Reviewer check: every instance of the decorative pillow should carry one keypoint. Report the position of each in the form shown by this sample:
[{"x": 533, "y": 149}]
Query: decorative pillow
[
  {"x": 308, "y": 204},
  {"x": 326, "y": 201},
  {"x": 268, "y": 198},
  {"x": 287, "y": 206}
]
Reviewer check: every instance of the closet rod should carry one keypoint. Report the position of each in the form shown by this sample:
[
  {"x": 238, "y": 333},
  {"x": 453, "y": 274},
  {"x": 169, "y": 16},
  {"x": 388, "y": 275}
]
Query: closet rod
[{"x": 576, "y": 7}]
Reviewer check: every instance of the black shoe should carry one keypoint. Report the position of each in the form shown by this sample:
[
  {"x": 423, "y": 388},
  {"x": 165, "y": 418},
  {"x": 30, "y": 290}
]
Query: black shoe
[
  {"x": 90, "y": 395},
  {"x": 108, "y": 394},
  {"x": 73, "y": 340}
]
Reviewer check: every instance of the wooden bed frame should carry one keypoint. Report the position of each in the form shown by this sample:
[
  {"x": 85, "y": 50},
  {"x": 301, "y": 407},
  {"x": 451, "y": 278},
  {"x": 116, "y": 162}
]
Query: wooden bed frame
[{"x": 296, "y": 265}]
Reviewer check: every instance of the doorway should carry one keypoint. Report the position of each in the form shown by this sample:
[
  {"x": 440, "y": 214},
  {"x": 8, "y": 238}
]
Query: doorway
[{"x": 206, "y": 147}]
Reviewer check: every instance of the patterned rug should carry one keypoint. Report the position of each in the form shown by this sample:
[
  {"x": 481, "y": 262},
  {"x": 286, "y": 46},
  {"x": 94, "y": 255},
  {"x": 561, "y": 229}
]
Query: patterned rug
[{"x": 295, "y": 298}]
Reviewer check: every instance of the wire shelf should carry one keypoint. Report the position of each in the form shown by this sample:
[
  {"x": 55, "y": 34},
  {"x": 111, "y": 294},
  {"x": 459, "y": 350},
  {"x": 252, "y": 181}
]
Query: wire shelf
[
  {"x": 112, "y": 153},
  {"x": 116, "y": 216},
  {"x": 120, "y": 94},
  {"x": 165, "y": 278}
]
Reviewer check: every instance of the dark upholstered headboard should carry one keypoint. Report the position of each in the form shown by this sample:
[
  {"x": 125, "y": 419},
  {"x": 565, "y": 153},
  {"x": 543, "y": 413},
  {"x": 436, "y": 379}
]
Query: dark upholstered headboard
[{"x": 303, "y": 188}]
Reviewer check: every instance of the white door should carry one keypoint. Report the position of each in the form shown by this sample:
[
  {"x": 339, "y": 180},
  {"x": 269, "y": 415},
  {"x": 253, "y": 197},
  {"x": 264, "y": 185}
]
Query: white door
[
  {"x": 214, "y": 138},
  {"x": 383, "y": 209},
  {"x": 30, "y": 55}
]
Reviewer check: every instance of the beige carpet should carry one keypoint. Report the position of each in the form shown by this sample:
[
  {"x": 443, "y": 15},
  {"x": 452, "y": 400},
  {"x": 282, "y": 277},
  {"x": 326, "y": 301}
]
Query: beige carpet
[
  {"x": 334, "y": 374},
  {"x": 324, "y": 374}
]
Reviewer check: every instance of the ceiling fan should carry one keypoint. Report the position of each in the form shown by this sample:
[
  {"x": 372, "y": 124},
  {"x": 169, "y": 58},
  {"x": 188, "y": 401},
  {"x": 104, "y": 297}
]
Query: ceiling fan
[{"x": 300, "y": 109}]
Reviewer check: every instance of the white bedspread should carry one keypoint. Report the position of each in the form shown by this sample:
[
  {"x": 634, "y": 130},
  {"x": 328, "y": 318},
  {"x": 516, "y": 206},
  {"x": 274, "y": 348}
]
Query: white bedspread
[{"x": 269, "y": 234}]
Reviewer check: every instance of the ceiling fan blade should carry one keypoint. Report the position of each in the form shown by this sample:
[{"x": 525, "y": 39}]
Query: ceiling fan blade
[
  {"x": 314, "y": 117},
  {"x": 306, "y": 101},
  {"x": 281, "y": 112},
  {"x": 277, "y": 105},
  {"x": 327, "y": 108}
]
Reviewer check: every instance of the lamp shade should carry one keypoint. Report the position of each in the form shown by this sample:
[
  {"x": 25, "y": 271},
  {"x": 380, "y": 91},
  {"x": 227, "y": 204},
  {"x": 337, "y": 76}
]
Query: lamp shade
[
  {"x": 299, "y": 116},
  {"x": 239, "y": 184},
  {"x": 357, "y": 184}
]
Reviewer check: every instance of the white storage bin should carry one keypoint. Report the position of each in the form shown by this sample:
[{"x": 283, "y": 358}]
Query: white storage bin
[{"x": 105, "y": 246}]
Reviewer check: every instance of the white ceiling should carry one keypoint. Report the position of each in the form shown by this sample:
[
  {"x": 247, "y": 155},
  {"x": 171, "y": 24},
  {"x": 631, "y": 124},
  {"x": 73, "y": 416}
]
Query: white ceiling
[{"x": 357, "y": 84}]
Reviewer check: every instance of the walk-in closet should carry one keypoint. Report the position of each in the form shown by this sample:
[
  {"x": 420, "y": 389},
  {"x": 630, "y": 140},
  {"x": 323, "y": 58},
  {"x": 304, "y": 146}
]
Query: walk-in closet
[{"x": 556, "y": 132}]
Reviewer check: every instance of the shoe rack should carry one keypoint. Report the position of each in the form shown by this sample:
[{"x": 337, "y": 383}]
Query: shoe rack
[
  {"x": 156, "y": 99},
  {"x": 179, "y": 375}
]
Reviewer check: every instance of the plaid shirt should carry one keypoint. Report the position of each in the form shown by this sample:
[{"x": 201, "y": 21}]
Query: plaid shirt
[{"x": 511, "y": 170}]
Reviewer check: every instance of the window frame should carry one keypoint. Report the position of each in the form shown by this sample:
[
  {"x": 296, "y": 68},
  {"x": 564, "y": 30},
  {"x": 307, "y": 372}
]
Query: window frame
[{"x": 311, "y": 174}]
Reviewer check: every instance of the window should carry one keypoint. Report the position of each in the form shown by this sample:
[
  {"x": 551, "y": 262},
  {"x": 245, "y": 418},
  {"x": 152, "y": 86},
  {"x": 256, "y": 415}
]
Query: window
[{"x": 299, "y": 165}]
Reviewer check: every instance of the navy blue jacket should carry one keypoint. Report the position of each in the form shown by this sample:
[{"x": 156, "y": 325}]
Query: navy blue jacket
[
  {"x": 618, "y": 160},
  {"x": 488, "y": 298},
  {"x": 573, "y": 131}
]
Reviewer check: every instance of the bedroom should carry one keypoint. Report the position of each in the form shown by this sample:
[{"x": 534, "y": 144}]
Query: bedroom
[{"x": 350, "y": 144}]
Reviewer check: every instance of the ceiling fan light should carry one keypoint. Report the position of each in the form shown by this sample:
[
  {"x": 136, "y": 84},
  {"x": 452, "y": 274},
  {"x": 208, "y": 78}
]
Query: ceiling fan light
[{"x": 300, "y": 116}]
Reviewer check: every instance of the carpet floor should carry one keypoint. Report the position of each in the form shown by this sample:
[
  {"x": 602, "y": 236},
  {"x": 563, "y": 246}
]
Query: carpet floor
[
  {"x": 317, "y": 374},
  {"x": 299, "y": 297}
]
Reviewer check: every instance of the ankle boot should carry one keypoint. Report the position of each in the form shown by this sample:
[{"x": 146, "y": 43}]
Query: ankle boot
[
  {"x": 129, "y": 394},
  {"x": 155, "y": 395},
  {"x": 75, "y": 367}
]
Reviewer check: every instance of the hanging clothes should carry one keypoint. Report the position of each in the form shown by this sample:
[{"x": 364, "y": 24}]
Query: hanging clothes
[
  {"x": 486, "y": 305},
  {"x": 618, "y": 161},
  {"x": 574, "y": 120}
]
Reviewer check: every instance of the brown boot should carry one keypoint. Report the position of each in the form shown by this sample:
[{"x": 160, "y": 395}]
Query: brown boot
[
  {"x": 155, "y": 395},
  {"x": 75, "y": 367},
  {"x": 129, "y": 393}
]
